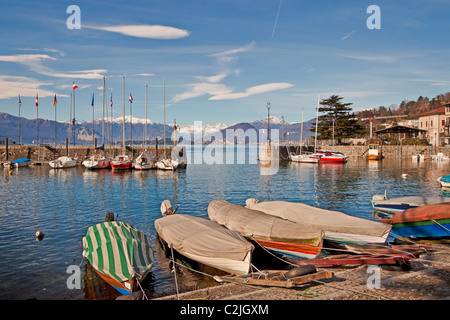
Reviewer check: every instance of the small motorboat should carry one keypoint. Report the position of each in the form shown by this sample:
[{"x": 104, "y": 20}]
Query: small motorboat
[
  {"x": 332, "y": 157},
  {"x": 424, "y": 222},
  {"x": 381, "y": 204},
  {"x": 374, "y": 152},
  {"x": 144, "y": 161},
  {"x": 204, "y": 241},
  {"x": 97, "y": 162},
  {"x": 119, "y": 253},
  {"x": 273, "y": 233},
  {"x": 444, "y": 181},
  {"x": 18, "y": 163},
  {"x": 122, "y": 162},
  {"x": 167, "y": 164},
  {"x": 63, "y": 162}
]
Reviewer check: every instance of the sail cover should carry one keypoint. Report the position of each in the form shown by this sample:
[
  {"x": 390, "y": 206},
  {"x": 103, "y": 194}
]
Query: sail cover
[
  {"x": 118, "y": 250},
  {"x": 196, "y": 236},
  {"x": 259, "y": 225},
  {"x": 317, "y": 218}
]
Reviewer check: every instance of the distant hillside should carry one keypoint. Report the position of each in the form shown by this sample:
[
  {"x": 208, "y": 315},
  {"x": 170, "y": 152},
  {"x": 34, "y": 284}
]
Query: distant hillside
[{"x": 84, "y": 131}]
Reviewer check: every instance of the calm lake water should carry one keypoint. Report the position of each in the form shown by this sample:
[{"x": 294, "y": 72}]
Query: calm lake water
[{"x": 64, "y": 203}]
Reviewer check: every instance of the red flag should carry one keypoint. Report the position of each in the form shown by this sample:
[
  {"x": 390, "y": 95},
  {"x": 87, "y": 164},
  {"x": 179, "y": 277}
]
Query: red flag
[{"x": 37, "y": 100}]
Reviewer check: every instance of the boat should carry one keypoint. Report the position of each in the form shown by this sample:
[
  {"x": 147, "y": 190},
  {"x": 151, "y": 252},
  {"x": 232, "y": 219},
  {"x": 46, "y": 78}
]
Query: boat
[
  {"x": 332, "y": 157},
  {"x": 97, "y": 162},
  {"x": 440, "y": 157},
  {"x": 18, "y": 163},
  {"x": 419, "y": 157},
  {"x": 166, "y": 164},
  {"x": 144, "y": 161},
  {"x": 63, "y": 162},
  {"x": 273, "y": 233},
  {"x": 445, "y": 181},
  {"x": 305, "y": 157},
  {"x": 381, "y": 204},
  {"x": 205, "y": 241},
  {"x": 122, "y": 162},
  {"x": 337, "y": 226},
  {"x": 374, "y": 152},
  {"x": 119, "y": 253},
  {"x": 425, "y": 222}
]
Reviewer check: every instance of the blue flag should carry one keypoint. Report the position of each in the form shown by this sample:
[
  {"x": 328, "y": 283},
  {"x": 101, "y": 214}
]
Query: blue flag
[{"x": 92, "y": 104}]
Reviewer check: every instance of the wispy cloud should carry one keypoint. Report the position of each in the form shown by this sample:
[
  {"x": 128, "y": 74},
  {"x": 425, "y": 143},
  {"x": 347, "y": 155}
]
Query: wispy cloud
[
  {"x": 145, "y": 74},
  {"x": 145, "y": 31},
  {"x": 348, "y": 35},
  {"x": 11, "y": 86},
  {"x": 35, "y": 63},
  {"x": 263, "y": 88},
  {"x": 228, "y": 56}
]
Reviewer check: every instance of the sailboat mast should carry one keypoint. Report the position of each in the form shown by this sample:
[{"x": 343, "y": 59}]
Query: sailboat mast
[
  {"x": 145, "y": 128},
  {"x": 123, "y": 123},
  {"x": 317, "y": 122},
  {"x": 164, "y": 129},
  {"x": 301, "y": 135},
  {"x": 103, "y": 119}
]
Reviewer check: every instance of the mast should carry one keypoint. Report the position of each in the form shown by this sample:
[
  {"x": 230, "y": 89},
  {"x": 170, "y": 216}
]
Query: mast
[
  {"x": 20, "y": 103},
  {"x": 103, "y": 118},
  {"x": 123, "y": 123},
  {"x": 317, "y": 122},
  {"x": 145, "y": 128},
  {"x": 301, "y": 135},
  {"x": 164, "y": 129}
]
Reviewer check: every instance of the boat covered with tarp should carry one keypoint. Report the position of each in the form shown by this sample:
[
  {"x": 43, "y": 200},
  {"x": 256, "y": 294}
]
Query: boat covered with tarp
[
  {"x": 338, "y": 226},
  {"x": 273, "y": 233},
  {"x": 119, "y": 253},
  {"x": 207, "y": 242},
  {"x": 21, "y": 162},
  {"x": 425, "y": 222}
]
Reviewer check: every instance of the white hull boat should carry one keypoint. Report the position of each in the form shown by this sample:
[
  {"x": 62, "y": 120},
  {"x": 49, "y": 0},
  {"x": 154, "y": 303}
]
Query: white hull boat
[
  {"x": 167, "y": 164},
  {"x": 306, "y": 158},
  {"x": 381, "y": 203},
  {"x": 63, "y": 162},
  {"x": 144, "y": 161},
  {"x": 206, "y": 242}
]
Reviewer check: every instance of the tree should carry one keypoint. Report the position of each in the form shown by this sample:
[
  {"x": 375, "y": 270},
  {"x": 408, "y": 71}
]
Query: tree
[{"x": 338, "y": 119}]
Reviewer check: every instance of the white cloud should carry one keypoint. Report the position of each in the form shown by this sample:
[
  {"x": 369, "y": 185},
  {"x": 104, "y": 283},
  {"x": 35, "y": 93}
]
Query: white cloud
[
  {"x": 263, "y": 88},
  {"x": 11, "y": 86},
  {"x": 348, "y": 35},
  {"x": 201, "y": 89},
  {"x": 145, "y": 74},
  {"x": 229, "y": 55},
  {"x": 34, "y": 62},
  {"x": 146, "y": 31}
]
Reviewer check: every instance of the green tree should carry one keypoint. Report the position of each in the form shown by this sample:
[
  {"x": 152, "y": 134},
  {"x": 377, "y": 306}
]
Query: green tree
[{"x": 338, "y": 118}]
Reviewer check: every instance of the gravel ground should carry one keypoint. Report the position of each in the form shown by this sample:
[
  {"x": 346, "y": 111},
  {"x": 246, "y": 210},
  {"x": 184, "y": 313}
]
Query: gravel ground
[{"x": 428, "y": 279}]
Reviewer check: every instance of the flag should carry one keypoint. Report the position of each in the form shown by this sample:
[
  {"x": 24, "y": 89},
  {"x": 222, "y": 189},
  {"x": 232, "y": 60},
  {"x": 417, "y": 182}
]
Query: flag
[
  {"x": 131, "y": 98},
  {"x": 54, "y": 101},
  {"x": 92, "y": 103},
  {"x": 74, "y": 86},
  {"x": 111, "y": 101},
  {"x": 36, "y": 101},
  {"x": 20, "y": 101}
]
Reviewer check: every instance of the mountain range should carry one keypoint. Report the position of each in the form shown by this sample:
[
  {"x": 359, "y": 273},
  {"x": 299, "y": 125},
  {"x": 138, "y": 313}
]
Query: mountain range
[{"x": 250, "y": 132}]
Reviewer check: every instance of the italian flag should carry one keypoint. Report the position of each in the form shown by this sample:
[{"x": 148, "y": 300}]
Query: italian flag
[
  {"x": 37, "y": 100},
  {"x": 74, "y": 86}
]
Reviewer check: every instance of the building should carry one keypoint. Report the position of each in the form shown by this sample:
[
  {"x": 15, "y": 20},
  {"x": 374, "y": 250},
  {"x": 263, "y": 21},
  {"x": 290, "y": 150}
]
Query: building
[
  {"x": 434, "y": 123},
  {"x": 447, "y": 124}
]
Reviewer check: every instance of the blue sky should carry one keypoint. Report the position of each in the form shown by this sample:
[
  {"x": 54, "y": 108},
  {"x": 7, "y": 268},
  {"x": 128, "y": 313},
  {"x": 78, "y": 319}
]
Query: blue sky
[{"x": 222, "y": 60}]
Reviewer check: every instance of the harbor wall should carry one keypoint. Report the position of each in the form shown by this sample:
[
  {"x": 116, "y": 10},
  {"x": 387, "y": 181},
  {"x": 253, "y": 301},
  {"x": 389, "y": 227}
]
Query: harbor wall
[
  {"x": 47, "y": 153},
  {"x": 406, "y": 151}
]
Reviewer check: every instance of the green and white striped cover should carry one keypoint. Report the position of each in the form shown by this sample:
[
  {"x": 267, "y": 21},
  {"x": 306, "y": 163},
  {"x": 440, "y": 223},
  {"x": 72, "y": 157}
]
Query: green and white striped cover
[{"x": 117, "y": 249}]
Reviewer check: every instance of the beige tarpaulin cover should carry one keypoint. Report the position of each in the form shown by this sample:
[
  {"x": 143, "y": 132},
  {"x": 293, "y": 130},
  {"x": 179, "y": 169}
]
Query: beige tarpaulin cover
[
  {"x": 199, "y": 238},
  {"x": 256, "y": 224},
  {"x": 318, "y": 218}
]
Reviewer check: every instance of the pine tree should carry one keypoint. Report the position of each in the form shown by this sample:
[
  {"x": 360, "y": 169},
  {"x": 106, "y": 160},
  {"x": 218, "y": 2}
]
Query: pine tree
[{"x": 338, "y": 119}]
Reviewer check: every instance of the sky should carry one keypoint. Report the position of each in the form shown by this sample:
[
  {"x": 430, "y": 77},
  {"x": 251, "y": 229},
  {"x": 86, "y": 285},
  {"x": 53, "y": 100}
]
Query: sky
[{"x": 222, "y": 61}]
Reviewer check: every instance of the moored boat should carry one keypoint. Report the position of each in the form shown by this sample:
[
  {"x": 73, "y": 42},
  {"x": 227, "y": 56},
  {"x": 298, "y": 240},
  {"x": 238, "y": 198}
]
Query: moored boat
[
  {"x": 305, "y": 157},
  {"x": 206, "y": 241},
  {"x": 167, "y": 164},
  {"x": 119, "y": 253},
  {"x": 445, "y": 181},
  {"x": 332, "y": 157},
  {"x": 144, "y": 161},
  {"x": 380, "y": 203},
  {"x": 275, "y": 234},
  {"x": 424, "y": 222},
  {"x": 374, "y": 152},
  {"x": 97, "y": 162},
  {"x": 18, "y": 163},
  {"x": 63, "y": 162},
  {"x": 122, "y": 162},
  {"x": 337, "y": 226}
]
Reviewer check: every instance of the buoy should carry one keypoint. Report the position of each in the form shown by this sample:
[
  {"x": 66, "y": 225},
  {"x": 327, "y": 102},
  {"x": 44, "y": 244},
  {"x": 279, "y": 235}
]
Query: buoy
[
  {"x": 39, "y": 235},
  {"x": 405, "y": 175},
  {"x": 10, "y": 172}
]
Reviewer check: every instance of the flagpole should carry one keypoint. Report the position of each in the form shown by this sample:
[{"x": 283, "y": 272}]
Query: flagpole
[
  {"x": 20, "y": 103},
  {"x": 37, "y": 121}
]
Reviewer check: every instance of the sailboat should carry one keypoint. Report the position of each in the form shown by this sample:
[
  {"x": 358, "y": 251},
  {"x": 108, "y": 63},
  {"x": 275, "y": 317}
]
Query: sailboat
[
  {"x": 304, "y": 157},
  {"x": 63, "y": 162},
  {"x": 166, "y": 163},
  {"x": 123, "y": 161},
  {"x": 144, "y": 161}
]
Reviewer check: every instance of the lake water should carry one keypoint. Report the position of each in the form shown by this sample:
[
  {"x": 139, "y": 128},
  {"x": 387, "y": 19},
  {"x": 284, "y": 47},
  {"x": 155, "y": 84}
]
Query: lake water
[{"x": 64, "y": 203}]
